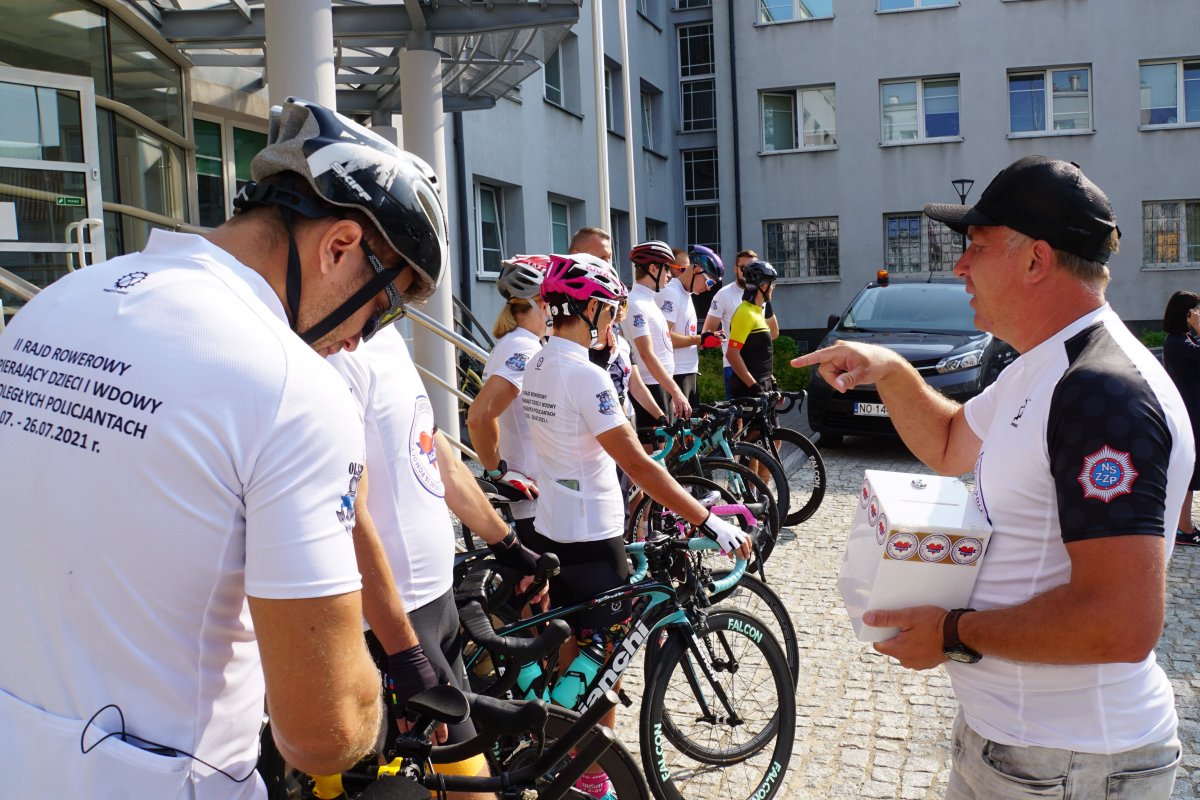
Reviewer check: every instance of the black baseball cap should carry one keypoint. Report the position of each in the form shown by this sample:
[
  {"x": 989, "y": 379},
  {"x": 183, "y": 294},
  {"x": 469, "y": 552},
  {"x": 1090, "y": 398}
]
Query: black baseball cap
[{"x": 1043, "y": 198}]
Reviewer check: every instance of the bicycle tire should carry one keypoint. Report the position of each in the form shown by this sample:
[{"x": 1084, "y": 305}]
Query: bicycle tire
[
  {"x": 620, "y": 764},
  {"x": 753, "y": 596},
  {"x": 767, "y": 467},
  {"x": 677, "y": 764},
  {"x": 805, "y": 471},
  {"x": 748, "y": 487}
]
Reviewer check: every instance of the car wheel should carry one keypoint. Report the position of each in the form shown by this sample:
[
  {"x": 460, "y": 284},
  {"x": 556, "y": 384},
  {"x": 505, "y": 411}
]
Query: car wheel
[{"x": 827, "y": 439}]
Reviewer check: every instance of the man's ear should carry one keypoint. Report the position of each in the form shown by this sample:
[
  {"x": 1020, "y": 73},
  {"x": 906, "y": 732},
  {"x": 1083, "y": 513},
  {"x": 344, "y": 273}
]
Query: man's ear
[
  {"x": 339, "y": 240},
  {"x": 1041, "y": 261}
]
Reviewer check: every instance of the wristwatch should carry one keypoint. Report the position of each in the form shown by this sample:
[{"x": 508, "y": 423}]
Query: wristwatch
[
  {"x": 493, "y": 474},
  {"x": 952, "y": 647}
]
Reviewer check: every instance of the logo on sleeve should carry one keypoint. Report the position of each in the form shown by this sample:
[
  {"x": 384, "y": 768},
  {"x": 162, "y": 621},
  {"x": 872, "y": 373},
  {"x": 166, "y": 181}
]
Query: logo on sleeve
[
  {"x": 639, "y": 321},
  {"x": 667, "y": 306},
  {"x": 517, "y": 362},
  {"x": 1107, "y": 474},
  {"x": 422, "y": 452},
  {"x": 345, "y": 512},
  {"x": 607, "y": 404}
]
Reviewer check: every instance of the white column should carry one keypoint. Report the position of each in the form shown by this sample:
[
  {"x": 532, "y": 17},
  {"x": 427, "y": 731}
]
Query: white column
[
  {"x": 300, "y": 51},
  {"x": 601, "y": 123},
  {"x": 630, "y": 172},
  {"x": 423, "y": 126}
]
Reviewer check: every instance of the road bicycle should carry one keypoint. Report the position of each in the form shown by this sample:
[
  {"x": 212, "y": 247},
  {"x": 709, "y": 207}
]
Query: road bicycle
[{"x": 718, "y": 708}]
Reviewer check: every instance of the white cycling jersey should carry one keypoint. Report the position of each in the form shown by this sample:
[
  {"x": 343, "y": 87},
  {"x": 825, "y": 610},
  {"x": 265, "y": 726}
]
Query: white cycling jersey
[
  {"x": 406, "y": 497},
  {"x": 724, "y": 303},
  {"x": 508, "y": 360},
  {"x": 645, "y": 319},
  {"x": 169, "y": 447},
  {"x": 569, "y": 401},
  {"x": 677, "y": 308}
]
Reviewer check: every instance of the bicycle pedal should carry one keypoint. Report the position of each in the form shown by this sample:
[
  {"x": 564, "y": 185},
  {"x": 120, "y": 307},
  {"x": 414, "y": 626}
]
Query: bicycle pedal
[{"x": 624, "y": 698}]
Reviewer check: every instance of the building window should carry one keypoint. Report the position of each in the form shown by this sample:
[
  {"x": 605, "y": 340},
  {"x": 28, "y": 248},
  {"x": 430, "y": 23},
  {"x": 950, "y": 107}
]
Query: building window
[
  {"x": 560, "y": 226},
  {"x": 656, "y": 231},
  {"x": 817, "y": 119},
  {"x": 697, "y": 87},
  {"x": 223, "y": 156},
  {"x": 648, "y": 120},
  {"x": 915, "y": 243},
  {"x": 903, "y": 5},
  {"x": 683, "y": 4},
  {"x": 553, "y": 76},
  {"x": 700, "y": 193},
  {"x": 489, "y": 211},
  {"x": 803, "y": 248},
  {"x": 609, "y": 115},
  {"x": 1171, "y": 234},
  {"x": 920, "y": 110},
  {"x": 1163, "y": 86},
  {"x": 1068, "y": 106},
  {"x": 790, "y": 10}
]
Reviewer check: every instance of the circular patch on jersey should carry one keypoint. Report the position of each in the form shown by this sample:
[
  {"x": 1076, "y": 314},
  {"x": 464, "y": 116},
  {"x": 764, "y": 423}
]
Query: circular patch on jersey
[
  {"x": 1107, "y": 474},
  {"x": 872, "y": 510},
  {"x": 967, "y": 550},
  {"x": 422, "y": 454},
  {"x": 901, "y": 546},
  {"x": 864, "y": 495},
  {"x": 935, "y": 547},
  {"x": 881, "y": 529}
]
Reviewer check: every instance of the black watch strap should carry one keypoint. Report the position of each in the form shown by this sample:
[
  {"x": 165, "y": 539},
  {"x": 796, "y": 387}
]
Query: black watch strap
[
  {"x": 500, "y": 469},
  {"x": 952, "y": 646}
]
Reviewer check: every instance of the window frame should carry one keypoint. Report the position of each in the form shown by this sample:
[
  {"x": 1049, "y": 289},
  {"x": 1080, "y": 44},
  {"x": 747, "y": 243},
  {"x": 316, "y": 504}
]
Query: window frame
[
  {"x": 1183, "y": 244},
  {"x": 497, "y": 192},
  {"x": 917, "y": 5},
  {"x": 1047, "y": 76},
  {"x": 647, "y": 120},
  {"x": 552, "y": 202},
  {"x": 555, "y": 58},
  {"x": 803, "y": 272},
  {"x": 924, "y": 245},
  {"x": 1181, "y": 106},
  {"x": 758, "y": 17},
  {"x": 226, "y": 127},
  {"x": 921, "y": 137},
  {"x": 693, "y": 82},
  {"x": 797, "y": 98}
]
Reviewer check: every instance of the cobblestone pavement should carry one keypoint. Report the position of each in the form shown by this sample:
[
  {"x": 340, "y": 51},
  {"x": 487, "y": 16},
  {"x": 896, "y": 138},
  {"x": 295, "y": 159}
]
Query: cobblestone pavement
[{"x": 866, "y": 728}]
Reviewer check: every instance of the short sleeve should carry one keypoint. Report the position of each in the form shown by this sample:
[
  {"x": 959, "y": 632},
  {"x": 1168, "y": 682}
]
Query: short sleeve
[
  {"x": 739, "y": 328},
  {"x": 670, "y": 303},
  {"x": 299, "y": 497},
  {"x": 1109, "y": 446},
  {"x": 980, "y": 410},
  {"x": 715, "y": 308},
  {"x": 596, "y": 401},
  {"x": 635, "y": 324},
  {"x": 509, "y": 363},
  {"x": 356, "y": 372}
]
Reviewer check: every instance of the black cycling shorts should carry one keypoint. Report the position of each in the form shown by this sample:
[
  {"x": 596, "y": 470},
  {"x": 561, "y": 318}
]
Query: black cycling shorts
[
  {"x": 436, "y": 626},
  {"x": 587, "y": 569}
]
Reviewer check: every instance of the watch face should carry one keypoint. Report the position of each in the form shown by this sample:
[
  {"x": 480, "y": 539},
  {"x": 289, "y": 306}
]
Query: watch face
[{"x": 962, "y": 655}]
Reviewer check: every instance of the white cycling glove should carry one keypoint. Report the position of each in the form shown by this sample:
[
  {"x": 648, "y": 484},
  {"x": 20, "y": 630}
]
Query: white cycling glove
[
  {"x": 514, "y": 478},
  {"x": 726, "y": 534}
]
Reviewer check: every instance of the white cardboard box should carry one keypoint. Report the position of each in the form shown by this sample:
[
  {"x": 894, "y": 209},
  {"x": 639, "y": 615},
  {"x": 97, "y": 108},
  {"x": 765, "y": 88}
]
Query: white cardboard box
[{"x": 915, "y": 540}]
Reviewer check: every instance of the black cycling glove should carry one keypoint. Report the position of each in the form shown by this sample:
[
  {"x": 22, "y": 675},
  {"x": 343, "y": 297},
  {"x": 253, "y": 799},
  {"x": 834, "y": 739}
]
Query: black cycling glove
[
  {"x": 408, "y": 674},
  {"x": 514, "y": 555}
]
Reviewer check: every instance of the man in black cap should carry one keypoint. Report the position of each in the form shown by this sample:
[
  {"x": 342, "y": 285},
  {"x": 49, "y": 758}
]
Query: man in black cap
[{"x": 1078, "y": 449}]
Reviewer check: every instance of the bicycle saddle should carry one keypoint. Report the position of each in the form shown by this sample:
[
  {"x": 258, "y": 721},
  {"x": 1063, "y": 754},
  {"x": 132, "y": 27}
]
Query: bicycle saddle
[{"x": 442, "y": 703}]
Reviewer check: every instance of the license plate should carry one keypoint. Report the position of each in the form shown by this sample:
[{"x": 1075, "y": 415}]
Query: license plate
[{"x": 870, "y": 409}]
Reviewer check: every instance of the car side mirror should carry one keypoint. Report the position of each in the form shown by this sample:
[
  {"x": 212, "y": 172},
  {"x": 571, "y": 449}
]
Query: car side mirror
[{"x": 831, "y": 321}]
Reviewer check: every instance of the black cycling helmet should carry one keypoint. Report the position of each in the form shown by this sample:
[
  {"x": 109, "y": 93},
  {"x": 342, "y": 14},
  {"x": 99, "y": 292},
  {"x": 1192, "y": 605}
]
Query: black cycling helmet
[
  {"x": 757, "y": 273},
  {"x": 348, "y": 166}
]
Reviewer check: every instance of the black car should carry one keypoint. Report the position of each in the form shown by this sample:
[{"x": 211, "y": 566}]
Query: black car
[{"x": 930, "y": 323}]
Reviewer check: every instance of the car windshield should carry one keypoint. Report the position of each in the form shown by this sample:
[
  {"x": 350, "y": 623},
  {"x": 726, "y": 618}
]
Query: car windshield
[{"x": 918, "y": 307}]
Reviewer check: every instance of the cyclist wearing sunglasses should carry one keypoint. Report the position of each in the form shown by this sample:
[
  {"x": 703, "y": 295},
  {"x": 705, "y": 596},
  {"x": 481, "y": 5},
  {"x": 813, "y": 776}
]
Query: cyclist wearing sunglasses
[
  {"x": 702, "y": 272},
  {"x": 201, "y": 556}
]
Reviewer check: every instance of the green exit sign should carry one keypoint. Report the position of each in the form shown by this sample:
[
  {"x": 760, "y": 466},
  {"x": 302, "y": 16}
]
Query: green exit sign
[{"x": 68, "y": 201}]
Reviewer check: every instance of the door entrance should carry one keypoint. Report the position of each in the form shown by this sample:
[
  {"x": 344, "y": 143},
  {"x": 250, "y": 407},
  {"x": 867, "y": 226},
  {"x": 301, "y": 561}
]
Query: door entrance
[{"x": 51, "y": 216}]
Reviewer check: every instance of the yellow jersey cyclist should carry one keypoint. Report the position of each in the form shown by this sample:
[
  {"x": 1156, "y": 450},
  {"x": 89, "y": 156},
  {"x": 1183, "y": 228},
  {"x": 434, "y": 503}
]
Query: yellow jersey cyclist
[{"x": 752, "y": 334}]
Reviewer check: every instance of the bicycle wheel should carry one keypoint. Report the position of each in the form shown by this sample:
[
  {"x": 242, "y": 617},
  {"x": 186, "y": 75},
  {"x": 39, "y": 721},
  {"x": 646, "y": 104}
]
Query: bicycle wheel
[
  {"x": 516, "y": 750},
  {"x": 647, "y": 517},
  {"x": 741, "y": 481},
  {"x": 757, "y": 599},
  {"x": 722, "y": 732},
  {"x": 767, "y": 467},
  {"x": 805, "y": 470}
]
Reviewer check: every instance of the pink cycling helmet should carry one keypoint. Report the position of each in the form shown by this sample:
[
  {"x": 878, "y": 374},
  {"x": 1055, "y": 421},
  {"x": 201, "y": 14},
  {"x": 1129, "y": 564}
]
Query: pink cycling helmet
[{"x": 581, "y": 277}]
